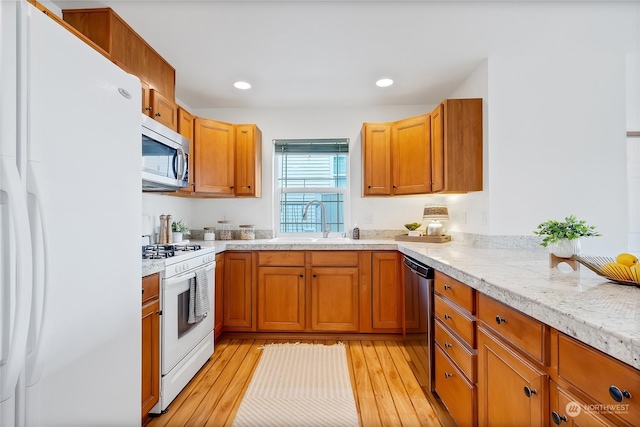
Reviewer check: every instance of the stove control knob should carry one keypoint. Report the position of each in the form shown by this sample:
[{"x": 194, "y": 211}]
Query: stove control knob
[
  {"x": 185, "y": 267},
  {"x": 177, "y": 269}
]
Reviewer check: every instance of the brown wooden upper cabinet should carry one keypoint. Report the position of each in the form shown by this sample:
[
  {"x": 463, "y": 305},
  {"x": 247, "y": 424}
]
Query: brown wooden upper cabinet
[
  {"x": 163, "y": 110},
  {"x": 124, "y": 47},
  {"x": 185, "y": 128},
  {"x": 431, "y": 153},
  {"x": 228, "y": 159},
  {"x": 396, "y": 157},
  {"x": 456, "y": 146}
]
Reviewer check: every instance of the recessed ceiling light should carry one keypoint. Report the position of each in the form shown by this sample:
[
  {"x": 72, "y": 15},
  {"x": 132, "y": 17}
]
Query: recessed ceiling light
[
  {"x": 242, "y": 85},
  {"x": 384, "y": 82}
]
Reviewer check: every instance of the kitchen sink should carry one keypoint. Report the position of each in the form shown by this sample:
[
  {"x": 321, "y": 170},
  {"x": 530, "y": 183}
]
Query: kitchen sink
[{"x": 301, "y": 239}]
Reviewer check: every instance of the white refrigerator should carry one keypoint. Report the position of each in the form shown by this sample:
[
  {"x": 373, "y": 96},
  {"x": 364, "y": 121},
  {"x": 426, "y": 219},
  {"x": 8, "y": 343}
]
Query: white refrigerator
[{"x": 70, "y": 209}]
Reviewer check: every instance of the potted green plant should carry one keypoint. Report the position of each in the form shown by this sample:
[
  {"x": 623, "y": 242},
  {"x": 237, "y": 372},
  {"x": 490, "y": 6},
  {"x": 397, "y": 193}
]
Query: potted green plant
[
  {"x": 563, "y": 237},
  {"x": 179, "y": 229},
  {"x": 413, "y": 227}
]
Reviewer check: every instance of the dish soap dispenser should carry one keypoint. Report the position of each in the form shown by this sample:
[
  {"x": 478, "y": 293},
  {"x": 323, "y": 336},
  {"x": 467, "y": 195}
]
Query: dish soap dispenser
[{"x": 356, "y": 232}]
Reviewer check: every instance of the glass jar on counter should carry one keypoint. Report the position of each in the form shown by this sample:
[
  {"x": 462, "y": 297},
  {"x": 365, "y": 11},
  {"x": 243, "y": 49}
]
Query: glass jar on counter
[
  {"x": 209, "y": 233},
  {"x": 225, "y": 230},
  {"x": 247, "y": 232}
]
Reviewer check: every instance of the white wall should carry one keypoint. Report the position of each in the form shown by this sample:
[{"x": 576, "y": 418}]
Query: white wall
[
  {"x": 557, "y": 144},
  {"x": 155, "y": 205}
]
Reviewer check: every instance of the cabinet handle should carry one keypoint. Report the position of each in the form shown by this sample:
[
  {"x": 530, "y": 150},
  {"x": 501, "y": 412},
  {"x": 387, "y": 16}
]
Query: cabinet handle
[
  {"x": 368, "y": 186},
  {"x": 500, "y": 320},
  {"x": 447, "y": 375},
  {"x": 446, "y": 316},
  {"x": 447, "y": 287},
  {"x": 142, "y": 291},
  {"x": 448, "y": 345},
  {"x": 395, "y": 186},
  {"x": 557, "y": 418},
  {"x": 158, "y": 115},
  {"x": 148, "y": 108},
  {"x": 619, "y": 395},
  {"x": 231, "y": 187},
  {"x": 302, "y": 275},
  {"x": 530, "y": 391},
  {"x": 315, "y": 275},
  {"x": 248, "y": 186}
]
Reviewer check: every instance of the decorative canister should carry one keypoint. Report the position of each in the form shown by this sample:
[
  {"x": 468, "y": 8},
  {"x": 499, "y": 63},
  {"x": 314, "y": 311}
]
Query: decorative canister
[
  {"x": 225, "y": 230},
  {"x": 209, "y": 233},
  {"x": 247, "y": 232}
]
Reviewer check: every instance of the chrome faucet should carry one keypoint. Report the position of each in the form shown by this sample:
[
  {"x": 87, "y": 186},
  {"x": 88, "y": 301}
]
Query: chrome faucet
[{"x": 325, "y": 230}]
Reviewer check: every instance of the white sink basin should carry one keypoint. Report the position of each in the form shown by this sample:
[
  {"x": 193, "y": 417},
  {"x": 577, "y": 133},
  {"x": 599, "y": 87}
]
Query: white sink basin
[{"x": 301, "y": 239}]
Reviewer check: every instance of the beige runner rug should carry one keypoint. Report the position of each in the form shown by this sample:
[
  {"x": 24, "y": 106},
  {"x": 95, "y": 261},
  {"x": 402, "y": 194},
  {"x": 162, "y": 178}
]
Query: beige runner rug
[{"x": 299, "y": 385}]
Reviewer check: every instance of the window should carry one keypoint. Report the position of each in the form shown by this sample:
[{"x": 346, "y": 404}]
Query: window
[{"x": 307, "y": 170}]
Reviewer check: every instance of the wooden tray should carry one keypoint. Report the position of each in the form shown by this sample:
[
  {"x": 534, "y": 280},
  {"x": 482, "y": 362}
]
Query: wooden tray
[{"x": 426, "y": 239}]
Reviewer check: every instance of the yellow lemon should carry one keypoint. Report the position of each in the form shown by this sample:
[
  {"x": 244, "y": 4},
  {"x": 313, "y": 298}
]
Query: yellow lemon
[
  {"x": 617, "y": 271},
  {"x": 627, "y": 259}
]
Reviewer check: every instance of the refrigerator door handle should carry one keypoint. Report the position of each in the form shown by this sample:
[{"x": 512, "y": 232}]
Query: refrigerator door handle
[
  {"x": 41, "y": 278},
  {"x": 14, "y": 361}
]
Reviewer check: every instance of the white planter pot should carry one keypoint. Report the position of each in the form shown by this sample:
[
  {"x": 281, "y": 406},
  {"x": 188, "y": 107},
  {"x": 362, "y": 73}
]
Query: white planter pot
[
  {"x": 177, "y": 237},
  {"x": 565, "y": 248}
]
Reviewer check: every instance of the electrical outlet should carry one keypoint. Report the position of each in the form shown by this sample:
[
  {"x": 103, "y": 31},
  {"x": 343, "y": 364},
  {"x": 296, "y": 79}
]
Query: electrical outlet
[
  {"x": 484, "y": 217},
  {"x": 464, "y": 217}
]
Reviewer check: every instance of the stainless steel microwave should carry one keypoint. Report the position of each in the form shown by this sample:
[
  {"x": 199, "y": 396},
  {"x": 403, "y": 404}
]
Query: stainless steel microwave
[{"x": 165, "y": 157}]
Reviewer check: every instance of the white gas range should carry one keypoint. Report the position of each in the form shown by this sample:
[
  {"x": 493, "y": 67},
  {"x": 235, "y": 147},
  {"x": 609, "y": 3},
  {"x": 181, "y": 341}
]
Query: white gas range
[{"x": 185, "y": 347}]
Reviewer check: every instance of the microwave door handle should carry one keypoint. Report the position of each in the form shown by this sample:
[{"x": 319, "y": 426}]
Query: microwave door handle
[
  {"x": 179, "y": 164},
  {"x": 184, "y": 166},
  {"x": 176, "y": 156}
]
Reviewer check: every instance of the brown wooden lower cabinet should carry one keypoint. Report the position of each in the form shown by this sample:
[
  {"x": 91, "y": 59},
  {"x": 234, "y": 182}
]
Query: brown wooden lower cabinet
[
  {"x": 387, "y": 297},
  {"x": 455, "y": 390},
  {"x": 567, "y": 409},
  {"x": 150, "y": 342},
  {"x": 511, "y": 390},
  {"x": 281, "y": 298},
  {"x": 219, "y": 291},
  {"x": 334, "y": 299},
  {"x": 238, "y": 292}
]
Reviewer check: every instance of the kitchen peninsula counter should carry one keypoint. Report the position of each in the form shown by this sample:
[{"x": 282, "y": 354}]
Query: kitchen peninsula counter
[{"x": 581, "y": 304}]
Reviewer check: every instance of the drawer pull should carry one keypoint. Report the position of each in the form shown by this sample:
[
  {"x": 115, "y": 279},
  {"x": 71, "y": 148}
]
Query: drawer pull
[
  {"x": 557, "y": 418},
  {"x": 446, "y": 316},
  {"x": 530, "y": 391},
  {"x": 301, "y": 276},
  {"x": 447, "y": 375},
  {"x": 619, "y": 395},
  {"x": 447, "y": 287},
  {"x": 500, "y": 320},
  {"x": 448, "y": 345}
]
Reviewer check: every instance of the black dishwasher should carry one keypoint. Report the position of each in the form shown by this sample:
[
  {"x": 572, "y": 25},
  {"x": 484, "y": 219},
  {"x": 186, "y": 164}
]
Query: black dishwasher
[{"x": 418, "y": 307}]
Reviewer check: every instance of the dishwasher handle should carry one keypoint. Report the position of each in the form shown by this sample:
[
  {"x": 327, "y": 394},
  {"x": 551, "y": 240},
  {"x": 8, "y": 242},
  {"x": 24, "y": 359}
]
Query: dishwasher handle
[{"x": 415, "y": 268}]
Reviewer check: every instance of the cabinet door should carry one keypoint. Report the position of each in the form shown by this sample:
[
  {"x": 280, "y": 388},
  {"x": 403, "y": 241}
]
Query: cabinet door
[
  {"x": 214, "y": 157},
  {"x": 376, "y": 159},
  {"x": 281, "y": 298},
  {"x": 248, "y": 179},
  {"x": 334, "y": 299},
  {"x": 567, "y": 408},
  {"x": 386, "y": 290},
  {"x": 455, "y": 390},
  {"x": 411, "y": 154},
  {"x": 146, "y": 97},
  {"x": 511, "y": 391},
  {"x": 164, "y": 110},
  {"x": 150, "y": 355},
  {"x": 219, "y": 295},
  {"x": 238, "y": 292},
  {"x": 185, "y": 128},
  {"x": 437, "y": 149}
]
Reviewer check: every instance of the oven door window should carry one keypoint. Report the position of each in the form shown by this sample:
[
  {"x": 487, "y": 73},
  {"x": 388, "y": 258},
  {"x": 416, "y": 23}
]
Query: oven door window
[{"x": 158, "y": 158}]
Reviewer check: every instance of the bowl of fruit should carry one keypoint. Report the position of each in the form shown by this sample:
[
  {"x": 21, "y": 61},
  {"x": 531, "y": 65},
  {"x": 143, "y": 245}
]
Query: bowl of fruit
[{"x": 623, "y": 269}]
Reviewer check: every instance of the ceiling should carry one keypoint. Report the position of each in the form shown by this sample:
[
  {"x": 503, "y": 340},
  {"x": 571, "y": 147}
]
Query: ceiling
[{"x": 329, "y": 53}]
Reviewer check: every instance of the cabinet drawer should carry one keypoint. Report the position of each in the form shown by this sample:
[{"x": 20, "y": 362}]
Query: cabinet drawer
[
  {"x": 462, "y": 356},
  {"x": 461, "y": 323},
  {"x": 598, "y": 375},
  {"x": 281, "y": 258},
  {"x": 456, "y": 291},
  {"x": 150, "y": 287},
  {"x": 457, "y": 394},
  {"x": 526, "y": 333},
  {"x": 563, "y": 408},
  {"x": 334, "y": 258}
]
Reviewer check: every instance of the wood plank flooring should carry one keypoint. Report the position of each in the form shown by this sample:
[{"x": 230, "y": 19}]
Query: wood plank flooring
[{"x": 389, "y": 380}]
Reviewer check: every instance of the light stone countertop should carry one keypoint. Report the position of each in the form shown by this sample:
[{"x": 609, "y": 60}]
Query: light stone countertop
[{"x": 581, "y": 304}]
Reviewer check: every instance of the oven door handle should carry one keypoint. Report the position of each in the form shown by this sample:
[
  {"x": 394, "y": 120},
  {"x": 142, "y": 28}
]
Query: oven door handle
[{"x": 186, "y": 276}]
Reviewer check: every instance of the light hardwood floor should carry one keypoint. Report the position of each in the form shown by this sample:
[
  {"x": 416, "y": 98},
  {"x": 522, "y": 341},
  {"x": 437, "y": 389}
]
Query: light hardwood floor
[{"x": 389, "y": 380}]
